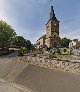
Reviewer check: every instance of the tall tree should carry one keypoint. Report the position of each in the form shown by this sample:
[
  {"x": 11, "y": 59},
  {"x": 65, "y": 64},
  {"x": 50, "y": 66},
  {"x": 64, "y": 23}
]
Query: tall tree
[
  {"x": 19, "y": 41},
  {"x": 29, "y": 45},
  {"x": 65, "y": 42},
  {"x": 7, "y": 33}
]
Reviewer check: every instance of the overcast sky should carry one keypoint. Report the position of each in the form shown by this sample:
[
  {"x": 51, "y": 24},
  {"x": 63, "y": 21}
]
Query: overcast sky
[{"x": 28, "y": 17}]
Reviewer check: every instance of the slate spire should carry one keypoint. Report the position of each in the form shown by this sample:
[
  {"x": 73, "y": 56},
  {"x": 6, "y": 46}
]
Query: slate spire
[{"x": 52, "y": 14}]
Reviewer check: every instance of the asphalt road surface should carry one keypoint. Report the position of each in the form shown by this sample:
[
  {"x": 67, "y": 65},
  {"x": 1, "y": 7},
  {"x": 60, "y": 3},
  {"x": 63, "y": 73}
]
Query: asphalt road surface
[
  {"x": 5, "y": 87},
  {"x": 35, "y": 78},
  {"x": 44, "y": 80},
  {"x": 9, "y": 68}
]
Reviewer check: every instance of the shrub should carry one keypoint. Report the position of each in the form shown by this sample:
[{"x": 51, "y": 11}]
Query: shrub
[
  {"x": 65, "y": 51},
  {"x": 2, "y": 53},
  {"x": 22, "y": 51},
  {"x": 58, "y": 51},
  {"x": 53, "y": 51}
]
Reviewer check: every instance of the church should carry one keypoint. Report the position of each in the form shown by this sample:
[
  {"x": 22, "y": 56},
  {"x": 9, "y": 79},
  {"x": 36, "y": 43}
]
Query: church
[{"x": 51, "y": 39}]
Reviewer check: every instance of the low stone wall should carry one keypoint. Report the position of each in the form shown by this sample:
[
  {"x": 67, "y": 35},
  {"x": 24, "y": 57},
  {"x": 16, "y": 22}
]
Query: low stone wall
[{"x": 73, "y": 67}]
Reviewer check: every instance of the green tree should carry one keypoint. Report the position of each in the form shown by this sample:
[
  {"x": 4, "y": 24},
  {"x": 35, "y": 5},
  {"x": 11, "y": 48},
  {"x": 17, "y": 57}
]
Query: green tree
[
  {"x": 29, "y": 45},
  {"x": 19, "y": 41},
  {"x": 7, "y": 33},
  {"x": 65, "y": 42}
]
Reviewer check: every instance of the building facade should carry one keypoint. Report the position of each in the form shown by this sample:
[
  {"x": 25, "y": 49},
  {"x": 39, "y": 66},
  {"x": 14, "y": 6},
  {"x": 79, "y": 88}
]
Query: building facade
[
  {"x": 51, "y": 39},
  {"x": 74, "y": 44}
]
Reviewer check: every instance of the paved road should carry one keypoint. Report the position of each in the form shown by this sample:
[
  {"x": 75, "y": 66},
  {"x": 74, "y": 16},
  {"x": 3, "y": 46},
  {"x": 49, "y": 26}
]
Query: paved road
[
  {"x": 14, "y": 54},
  {"x": 9, "y": 69},
  {"x": 44, "y": 80},
  {"x": 35, "y": 78},
  {"x": 5, "y": 87},
  {"x": 6, "y": 66}
]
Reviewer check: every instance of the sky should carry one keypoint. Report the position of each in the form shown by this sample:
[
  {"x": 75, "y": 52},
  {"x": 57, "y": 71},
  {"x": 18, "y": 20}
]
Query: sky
[{"x": 29, "y": 17}]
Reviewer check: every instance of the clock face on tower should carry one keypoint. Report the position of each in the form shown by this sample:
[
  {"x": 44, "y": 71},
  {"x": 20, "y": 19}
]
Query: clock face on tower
[{"x": 55, "y": 24}]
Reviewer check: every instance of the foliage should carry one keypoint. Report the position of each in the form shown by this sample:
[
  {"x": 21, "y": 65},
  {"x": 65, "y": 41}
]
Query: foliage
[
  {"x": 2, "y": 53},
  {"x": 8, "y": 38},
  {"x": 29, "y": 46},
  {"x": 65, "y": 42},
  {"x": 53, "y": 51},
  {"x": 7, "y": 33},
  {"x": 33, "y": 47},
  {"x": 65, "y": 51},
  {"x": 19, "y": 41},
  {"x": 58, "y": 51},
  {"x": 22, "y": 51}
]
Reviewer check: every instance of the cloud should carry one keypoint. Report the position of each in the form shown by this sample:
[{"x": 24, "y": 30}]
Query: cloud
[
  {"x": 75, "y": 34},
  {"x": 35, "y": 1},
  {"x": 70, "y": 27},
  {"x": 28, "y": 17}
]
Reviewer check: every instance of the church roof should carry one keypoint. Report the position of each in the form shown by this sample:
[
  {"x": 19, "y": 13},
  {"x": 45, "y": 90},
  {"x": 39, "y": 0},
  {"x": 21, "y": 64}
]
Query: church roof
[
  {"x": 44, "y": 36},
  {"x": 52, "y": 14}
]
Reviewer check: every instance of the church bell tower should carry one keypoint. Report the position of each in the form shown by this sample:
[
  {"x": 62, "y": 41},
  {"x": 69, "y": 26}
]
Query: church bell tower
[{"x": 52, "y": 31}]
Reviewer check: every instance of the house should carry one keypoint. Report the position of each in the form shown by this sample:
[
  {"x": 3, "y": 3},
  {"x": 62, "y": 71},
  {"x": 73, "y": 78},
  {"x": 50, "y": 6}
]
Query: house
[{"x": 74, "y": 44}]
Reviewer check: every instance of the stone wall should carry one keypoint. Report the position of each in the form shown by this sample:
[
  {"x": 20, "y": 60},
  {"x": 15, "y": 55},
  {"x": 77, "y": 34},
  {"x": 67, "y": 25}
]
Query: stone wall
[{"x": 73, "y": 67}]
